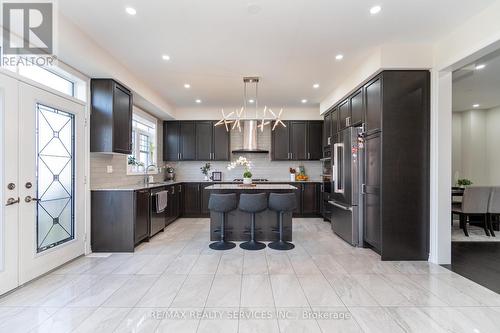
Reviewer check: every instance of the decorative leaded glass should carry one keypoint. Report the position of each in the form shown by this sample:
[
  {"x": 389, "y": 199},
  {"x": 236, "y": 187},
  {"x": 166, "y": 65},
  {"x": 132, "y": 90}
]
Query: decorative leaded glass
[{"x": 55, "y": 136}]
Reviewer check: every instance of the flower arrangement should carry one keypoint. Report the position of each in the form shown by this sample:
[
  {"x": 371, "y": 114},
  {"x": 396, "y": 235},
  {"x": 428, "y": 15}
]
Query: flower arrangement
[
  {"x": 205, "y": 169},
  {"x": 246, "y": 164},
  {"x": 464, "y": 182}
]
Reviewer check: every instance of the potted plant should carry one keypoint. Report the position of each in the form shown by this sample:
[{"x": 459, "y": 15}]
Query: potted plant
[
  {"x": 170, "y": 172},
  {"x": 463, "y": 183},
  {"x": 247, "y": 165},
  {"x": 205, "y": 169},
  {"x": 292, "y": 174}
]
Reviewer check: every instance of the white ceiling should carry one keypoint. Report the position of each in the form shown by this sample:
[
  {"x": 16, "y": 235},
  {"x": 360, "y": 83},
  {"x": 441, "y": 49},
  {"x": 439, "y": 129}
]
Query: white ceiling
[
  {"x": 291, "y": 44},
  {"x": 471, "y": 86}
]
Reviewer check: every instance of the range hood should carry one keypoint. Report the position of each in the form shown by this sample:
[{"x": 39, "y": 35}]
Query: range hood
[{"x": 250, "y": 139}]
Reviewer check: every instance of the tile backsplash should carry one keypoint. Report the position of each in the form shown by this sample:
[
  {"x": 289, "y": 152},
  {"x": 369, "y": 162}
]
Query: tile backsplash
[{"x": 263, "y": 167}]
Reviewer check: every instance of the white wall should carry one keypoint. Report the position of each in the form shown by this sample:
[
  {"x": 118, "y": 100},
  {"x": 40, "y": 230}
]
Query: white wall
[
  {"x": 476, "y": 142},
  {"x": 203, "y": 113},
  {"x": 493, "y": 145},
  {"x": 388, "y": 56}
]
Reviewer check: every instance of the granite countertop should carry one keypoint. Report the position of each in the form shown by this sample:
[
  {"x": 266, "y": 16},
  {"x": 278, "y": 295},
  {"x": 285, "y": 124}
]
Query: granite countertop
[
  {"x": 256, "y": 187},
  {"x": 141, "y": 186},
  {"x": 136, "y": 187}
]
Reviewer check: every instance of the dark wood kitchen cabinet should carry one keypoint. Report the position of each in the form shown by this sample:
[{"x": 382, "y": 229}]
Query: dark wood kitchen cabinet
[
  {"x": 204, "y": 197},
  {"x": 357, "y": 107},
  {"x": 191, "y": 198},
  {"x": 344, "y": 115},
  {"x": 310, "y": 199},
  {"x": 179, "y": 141},
  {"x": 195, "y": 141},
  {"x": 373, "y": 107},
  {"x": 327, "y": 129},
  {"x": 299, "y": 140},
  {"x": 314, "y": 140},
  {"x": 119, "y": 219},
  {"x": 174, "y": 203},
  {"x": 110, "y": 117},
  {"x": 204, "y": 140},
  {"x": 280, "y": 142}
]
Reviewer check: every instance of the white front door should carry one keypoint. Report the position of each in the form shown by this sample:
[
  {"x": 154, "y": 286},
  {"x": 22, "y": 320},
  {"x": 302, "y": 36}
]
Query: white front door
[
  {"x": 42, "y": 177},
  {"x": 51, "y": 176},
  {"x": 9, "y": 181}
]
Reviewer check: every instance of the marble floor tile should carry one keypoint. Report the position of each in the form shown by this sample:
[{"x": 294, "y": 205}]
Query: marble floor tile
[
  {"x": 225, "y": 291},
  {"x": 163, "y": 291},
  {"x": 256, "y": 291},
  {"x": 297, "y": 320},
  {"x": 220, "y": 320},
  {"x": 100, "y": 291},
  {"x": 279, "y": 263},
  {"x": 318, "y": 291},
  {"x": 256, "y": 320},
  {"x": 206, "y": 264},
  {"x": 182, "y": 264},
  {"x": 180, "y": 320},
  {"x": 23, "y": 319},
  {"x": 157, "y": 265},
  {"x": 335, "y": 319},
  {"x": 375, "y": 319},
  {"x": 381, "y": 290},
  {"x": 194, "y": 291},
  {"x": 231, "y": 264},
  {"x": 131, "y": 292},
  {"x": 350, "y": 292},
  {"x": 133, "y": 265},
  {"x": 415, "y": 294},
  {"x": 69, "y": 291},
  {"x": 140, "y": 320},
  {"x": 287, "y": 291},
  {"x": 303, "y": 265},
  {"x": 103, "y": 320},
  {"x": 255, "y": 263},
  {"x": 64, "y": 320}
]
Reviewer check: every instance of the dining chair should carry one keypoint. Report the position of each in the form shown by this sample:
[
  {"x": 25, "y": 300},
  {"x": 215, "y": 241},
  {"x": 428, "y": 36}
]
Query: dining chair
[
  {"x": 493, "y": 208},
  {"x": 474, "y": 203}
]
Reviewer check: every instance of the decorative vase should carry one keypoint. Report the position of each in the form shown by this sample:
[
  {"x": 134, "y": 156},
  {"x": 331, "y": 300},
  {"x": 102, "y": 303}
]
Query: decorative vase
[
  {"x": 170, "y": 175},
  {"x": 206, "y": 178},
  {"x": 292, "y": 177},
  {"x": 247, "y": 181}
]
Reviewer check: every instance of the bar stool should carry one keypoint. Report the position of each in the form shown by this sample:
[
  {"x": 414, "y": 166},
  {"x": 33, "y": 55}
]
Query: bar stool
[
  {"x": 282, "y": 203},
  {"x": 253, "y": 203},
  {"x": 222, "y": 203}
]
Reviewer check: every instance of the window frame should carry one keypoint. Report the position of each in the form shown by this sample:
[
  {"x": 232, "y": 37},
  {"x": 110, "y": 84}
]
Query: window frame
[{"x": 150, "y": 121}]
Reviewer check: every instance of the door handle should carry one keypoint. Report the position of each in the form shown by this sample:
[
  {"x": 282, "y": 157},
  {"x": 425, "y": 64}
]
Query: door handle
[
  {"x": 333, "y": 203},
  {"x": 29, "y": 199},
  {"x": 12, "y": 201},
  {"x": 308, "y": 156}
]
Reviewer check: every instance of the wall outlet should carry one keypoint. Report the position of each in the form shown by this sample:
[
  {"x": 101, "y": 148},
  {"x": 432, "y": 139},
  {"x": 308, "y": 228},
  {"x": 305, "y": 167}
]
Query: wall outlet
[{"x": 109, "y": 169}]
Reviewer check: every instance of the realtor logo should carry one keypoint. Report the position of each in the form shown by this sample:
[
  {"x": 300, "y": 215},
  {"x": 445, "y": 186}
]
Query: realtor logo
[{"x": 27, "y": 28}]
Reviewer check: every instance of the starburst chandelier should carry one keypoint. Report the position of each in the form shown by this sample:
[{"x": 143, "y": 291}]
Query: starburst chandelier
[{"x": 265, "y": 117}]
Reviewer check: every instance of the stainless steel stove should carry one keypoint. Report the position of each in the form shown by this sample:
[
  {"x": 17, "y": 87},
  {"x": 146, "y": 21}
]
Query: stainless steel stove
[{"x": 257, "y": 180}]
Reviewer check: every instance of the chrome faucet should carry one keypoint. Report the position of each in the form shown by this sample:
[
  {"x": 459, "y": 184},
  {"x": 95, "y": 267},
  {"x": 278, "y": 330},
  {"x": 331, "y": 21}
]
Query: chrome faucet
[{"x": 146, "y": 176}]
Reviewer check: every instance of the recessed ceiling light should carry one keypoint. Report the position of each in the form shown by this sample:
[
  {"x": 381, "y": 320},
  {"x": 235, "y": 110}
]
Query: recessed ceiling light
[
  {"x": 375, "y": 10},
  {"x": 481, "y": 66},
  {"x": 251, "y": 101},
  {"x": 339, "y": 57},
  {"x": 475, "y": 105},
  {"x": 165, "y": 57},
  {"x": 316, "y": 85},
  {"x": 198, "y": 101},
  {"x": 131, "y": 11},
  {"x": 187, "y": 85},
  {"x": 304, "y": 101}
]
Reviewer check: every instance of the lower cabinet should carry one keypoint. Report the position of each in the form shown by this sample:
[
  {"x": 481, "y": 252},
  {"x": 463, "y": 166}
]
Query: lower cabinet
[
  {"x": 191, "y": 200},
  {"x": 119, "y": 220},
  {"x": 310, "y": 199},
  {"x": 174, "y": 202}
]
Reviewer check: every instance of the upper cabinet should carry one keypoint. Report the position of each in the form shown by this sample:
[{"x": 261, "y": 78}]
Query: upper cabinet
[
  {"x": 327, "y": 129},
  {"x": 373, "y": 107},
  {"x": 344, "y": 115},
  {"x": 357, "y": 107},
  {"x": 299, "y": 140},
  {"x": 195, "y": 141},
  {"x": 111, "y": 117}
]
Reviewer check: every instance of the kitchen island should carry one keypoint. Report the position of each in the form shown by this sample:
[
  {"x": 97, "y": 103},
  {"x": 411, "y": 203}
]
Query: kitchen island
[{"x": 238, "y": 222}]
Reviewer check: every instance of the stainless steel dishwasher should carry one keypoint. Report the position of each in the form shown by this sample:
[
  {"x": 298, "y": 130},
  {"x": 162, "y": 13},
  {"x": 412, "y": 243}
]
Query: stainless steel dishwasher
[{"x": 157, "y": 219}]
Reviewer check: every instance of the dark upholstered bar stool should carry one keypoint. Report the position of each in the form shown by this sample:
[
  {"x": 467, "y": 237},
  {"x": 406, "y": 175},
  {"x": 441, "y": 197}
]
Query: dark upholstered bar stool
[
  {"x": 282, "y": 203},
  {"x": 253, "y": 203},
  {"x": 222, "y": 203}
]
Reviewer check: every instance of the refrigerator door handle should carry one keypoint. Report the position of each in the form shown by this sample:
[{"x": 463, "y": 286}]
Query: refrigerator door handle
[
  {"x": 333, "y": 203},
  {"x": 336, "y": 167}
]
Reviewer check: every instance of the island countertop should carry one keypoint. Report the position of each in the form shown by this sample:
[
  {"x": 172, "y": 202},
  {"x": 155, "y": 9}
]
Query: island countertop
[{"x": 257, "y": 187}]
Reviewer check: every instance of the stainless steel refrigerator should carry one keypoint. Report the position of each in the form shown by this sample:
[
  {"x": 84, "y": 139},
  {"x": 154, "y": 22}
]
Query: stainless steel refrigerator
[{"x": 346, "y": 198}]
